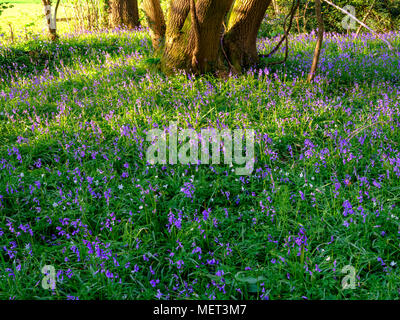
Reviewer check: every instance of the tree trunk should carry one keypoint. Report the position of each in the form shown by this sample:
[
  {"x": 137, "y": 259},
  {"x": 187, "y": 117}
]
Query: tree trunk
[
  {"x": 51, "y": 19},
  {"x": 276, "y": 8},
  {"x": 195, "y": 38},
  {"x": 124, "y": 13},
  {"x": 193, "y": 35},
  {"x": 156, "y": 23},
  {"x": 320, "y": 40},
  {"x": 240, "y": 41}
]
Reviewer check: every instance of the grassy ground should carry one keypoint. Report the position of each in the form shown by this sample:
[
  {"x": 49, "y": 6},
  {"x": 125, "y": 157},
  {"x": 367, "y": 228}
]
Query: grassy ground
[
  {"x": 26, "y": 18},
  {"x": 76, "y": 191},
  {"x": 24, "y": 14}
]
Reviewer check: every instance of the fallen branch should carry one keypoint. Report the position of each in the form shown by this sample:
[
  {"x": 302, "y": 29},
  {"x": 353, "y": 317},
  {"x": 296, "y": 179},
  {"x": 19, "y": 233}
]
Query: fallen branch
[
  {"x": 360, "y": 22},
  {"x": 355, "y": 133},
  {"x": 365, "y": 19}
]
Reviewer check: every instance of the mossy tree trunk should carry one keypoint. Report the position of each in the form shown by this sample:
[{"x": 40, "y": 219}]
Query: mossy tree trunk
[
  {"x": 195, "y": 38},
  {"x": 124, "y": 13}
]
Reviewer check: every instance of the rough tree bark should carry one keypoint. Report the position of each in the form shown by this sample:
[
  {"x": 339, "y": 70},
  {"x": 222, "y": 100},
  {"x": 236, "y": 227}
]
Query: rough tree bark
[
  {"x": 193, "y": 35},
  {"x": 156, "y": 22},
  {"x": 195, "y": 38},
  {"x": 124, "y": 13},
  {"x": 241, "y": 35}
]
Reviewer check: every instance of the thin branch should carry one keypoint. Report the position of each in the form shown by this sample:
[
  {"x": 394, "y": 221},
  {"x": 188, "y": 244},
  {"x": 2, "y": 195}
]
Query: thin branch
[
  {"x": 355, "y": 133},
  {"x": 295, "y": 5},
  {"x": 55, "y": 10},
  {"x": 285, "y": 37},
  {"x": 224, "y": 52}
]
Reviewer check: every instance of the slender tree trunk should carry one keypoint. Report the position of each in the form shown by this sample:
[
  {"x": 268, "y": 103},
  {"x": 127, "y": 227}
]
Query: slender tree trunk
[
  {"x": 240, "y": 41},
  {"x": 320, "y": 40},
  {"x": 51, "y": 19},
  {"x": 11, "y": 32},
  {"x": 365, "y": 19},
  {"x": 297, "y": 20},
  {"x": 304, "y": 17},
  {"x": 276, "y": 7},
  {"x": 124, "y": 13}
]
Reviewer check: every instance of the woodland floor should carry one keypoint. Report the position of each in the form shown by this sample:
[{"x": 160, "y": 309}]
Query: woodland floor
[{"x": 76, "y": 191}]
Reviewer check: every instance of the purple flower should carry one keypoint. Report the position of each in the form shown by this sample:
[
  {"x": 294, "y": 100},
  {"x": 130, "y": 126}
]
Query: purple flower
[
  {"x": 376, "y": 184},
  {"x": 206, "y": 214},
  {"x": 154, "y": 283}
]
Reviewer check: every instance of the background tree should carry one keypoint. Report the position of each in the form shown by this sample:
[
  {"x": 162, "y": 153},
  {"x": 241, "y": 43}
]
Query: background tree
[
  {"x": 51, "y": 18},
  {"x": 124, "y": 13},
  {"x": 384, "y": 15}
]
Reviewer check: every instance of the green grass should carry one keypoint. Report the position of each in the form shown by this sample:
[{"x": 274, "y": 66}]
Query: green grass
[
  {"x": 37, "y": 2},
  {"x": 73, "y": 113},
  {"x": 26, "y": 18}
]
